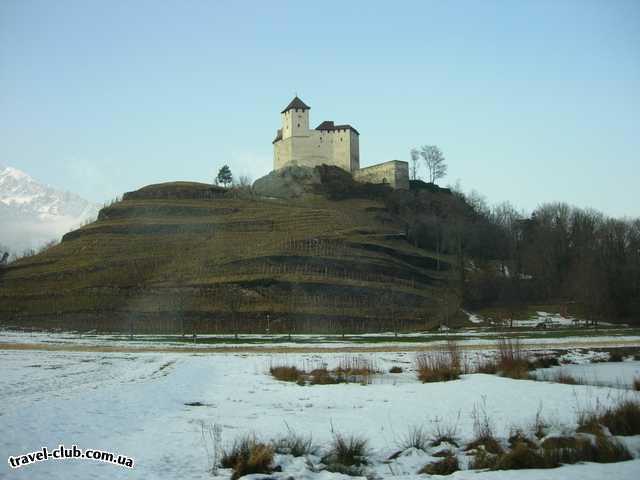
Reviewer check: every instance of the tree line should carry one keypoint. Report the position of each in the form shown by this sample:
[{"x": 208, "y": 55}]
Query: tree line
[{"x": 503, "y": 257}]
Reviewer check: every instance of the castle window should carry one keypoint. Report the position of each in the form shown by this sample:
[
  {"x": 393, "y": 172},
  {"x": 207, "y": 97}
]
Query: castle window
[{"x": 298, "y": 125}]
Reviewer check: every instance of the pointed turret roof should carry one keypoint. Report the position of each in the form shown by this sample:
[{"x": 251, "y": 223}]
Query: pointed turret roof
[{"x": 296, "y": 103}]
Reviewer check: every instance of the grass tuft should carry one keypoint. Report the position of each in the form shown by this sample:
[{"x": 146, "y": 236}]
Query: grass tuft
[
  {"x": 444, "y": 432},
  {"x": 294, "y": 444},
  {"x": 623, "y": 419},
  {"x": 347, "y": 455},
  {"x": 247, "y": 456},
  {"x": 416, "y": 437}
]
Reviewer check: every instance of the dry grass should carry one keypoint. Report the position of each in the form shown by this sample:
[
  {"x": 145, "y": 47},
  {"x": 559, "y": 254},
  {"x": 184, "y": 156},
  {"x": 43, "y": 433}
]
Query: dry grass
[
  {"x": 356, "y": 365},
  {"x": 488, "y": 366},
  {"x": 294, "y": 444},
  {"x": 446, "y": 466},
  {"x": 561, "y": 377},
  {"x": 444, "y": 432},
  {"x": 552, "y": 453},
  {"x": 247, "y": 456},
  {"x": 522, "y": 455},
  {"x": 416, "y": 437},
  {"x": 286, "y": 373},
  {"x": 512, "y": 361},
  {"x": 322, "y": 376},
  {"x": 483, "y": 460},
  {"x": 347, "y": 455},
  {"x": 621, "y": 419},
  {"x": 350, "y": 369},
  {"x": 484, "y": 436},
  {"x": 545, "y": 362},
  {"x": 616, "y": 356},
  {"x": 568, "y": 450},
  {"x": 441, "y": 365}
]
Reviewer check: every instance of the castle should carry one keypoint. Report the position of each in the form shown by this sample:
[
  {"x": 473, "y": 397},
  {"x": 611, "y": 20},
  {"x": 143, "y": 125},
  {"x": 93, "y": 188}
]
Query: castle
[{"x": 329, "y": 144}]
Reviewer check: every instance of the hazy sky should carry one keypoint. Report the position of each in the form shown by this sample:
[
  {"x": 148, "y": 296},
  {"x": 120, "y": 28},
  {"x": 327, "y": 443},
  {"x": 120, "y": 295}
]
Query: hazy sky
[{"x": 530, "y": 101}]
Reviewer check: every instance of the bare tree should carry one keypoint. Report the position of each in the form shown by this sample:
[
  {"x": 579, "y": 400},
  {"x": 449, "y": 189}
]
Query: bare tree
[
  {"x": 433, "y": 160},
  {"x": 415, "y": 160}
]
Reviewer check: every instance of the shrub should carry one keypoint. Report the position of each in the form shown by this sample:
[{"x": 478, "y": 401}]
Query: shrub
[
  {"x": 286, "y": 373},
  {"x": 446, "y": 466},
  {"x": 439, "y": 366},
  {"x": 347, "y": 455},
  {"x": 511, "y": 359},
  {"x": 636, "y": 384},
  {"x": 395, "y": 369}
]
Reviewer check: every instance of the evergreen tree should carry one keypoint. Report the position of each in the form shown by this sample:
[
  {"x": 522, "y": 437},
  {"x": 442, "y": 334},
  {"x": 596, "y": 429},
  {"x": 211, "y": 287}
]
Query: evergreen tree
[{"x": 224, "y": 176}]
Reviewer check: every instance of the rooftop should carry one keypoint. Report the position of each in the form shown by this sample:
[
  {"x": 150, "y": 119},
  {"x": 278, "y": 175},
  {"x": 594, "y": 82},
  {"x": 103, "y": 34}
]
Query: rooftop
[
  {"x": 297, "y": 104},
  {"x": 328, "y": 125}
]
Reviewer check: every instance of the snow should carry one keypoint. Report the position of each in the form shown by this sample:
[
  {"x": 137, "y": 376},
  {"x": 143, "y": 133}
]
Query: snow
[
  {"x": 33, "y": 213},
  {"x": 473, "y": 318},
  {"x": 614, "y": 374},
  {"x": 134, "y": 404}
]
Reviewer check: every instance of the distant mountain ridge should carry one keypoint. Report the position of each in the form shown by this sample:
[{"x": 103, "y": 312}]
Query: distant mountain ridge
[{"x": 33, "y": 213}]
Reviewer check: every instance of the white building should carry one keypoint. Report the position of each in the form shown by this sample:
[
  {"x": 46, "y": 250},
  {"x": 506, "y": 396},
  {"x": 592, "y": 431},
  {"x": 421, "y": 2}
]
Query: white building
[{"x": 329, "y": 144}]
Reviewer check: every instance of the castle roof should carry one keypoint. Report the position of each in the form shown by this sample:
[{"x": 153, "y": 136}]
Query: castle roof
[
  {"x": 329, "y": 126},
  {"x": 297, "y": 104}
]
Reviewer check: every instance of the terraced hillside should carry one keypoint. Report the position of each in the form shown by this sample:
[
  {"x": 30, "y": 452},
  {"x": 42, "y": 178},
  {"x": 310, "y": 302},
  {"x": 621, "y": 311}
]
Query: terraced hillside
[{"x": 186, "y": 257}]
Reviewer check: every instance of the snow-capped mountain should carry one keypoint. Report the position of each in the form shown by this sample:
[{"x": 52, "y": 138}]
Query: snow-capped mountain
[{"x": 32, "y": 213}]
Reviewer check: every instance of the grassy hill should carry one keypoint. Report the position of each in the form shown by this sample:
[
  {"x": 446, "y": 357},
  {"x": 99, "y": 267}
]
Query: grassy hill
[{"x": 184, "y": 257}]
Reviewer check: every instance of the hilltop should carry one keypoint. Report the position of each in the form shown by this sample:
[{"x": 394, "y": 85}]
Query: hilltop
[{"x": 184, "y": 257}]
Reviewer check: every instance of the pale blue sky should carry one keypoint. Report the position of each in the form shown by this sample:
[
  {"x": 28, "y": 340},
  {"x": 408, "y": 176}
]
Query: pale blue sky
[{"x": 530, "y": 101}]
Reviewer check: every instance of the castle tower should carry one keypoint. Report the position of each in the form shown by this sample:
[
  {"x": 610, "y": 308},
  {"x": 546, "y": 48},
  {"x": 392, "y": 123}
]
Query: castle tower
[{"x": 295, "y": 119}]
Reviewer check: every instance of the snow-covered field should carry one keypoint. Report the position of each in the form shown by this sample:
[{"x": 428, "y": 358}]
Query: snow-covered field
[
  {"x": 614, "y": 374},
  {"x": 386, "y": 340},
  {"x": 135, "y": 404}
]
